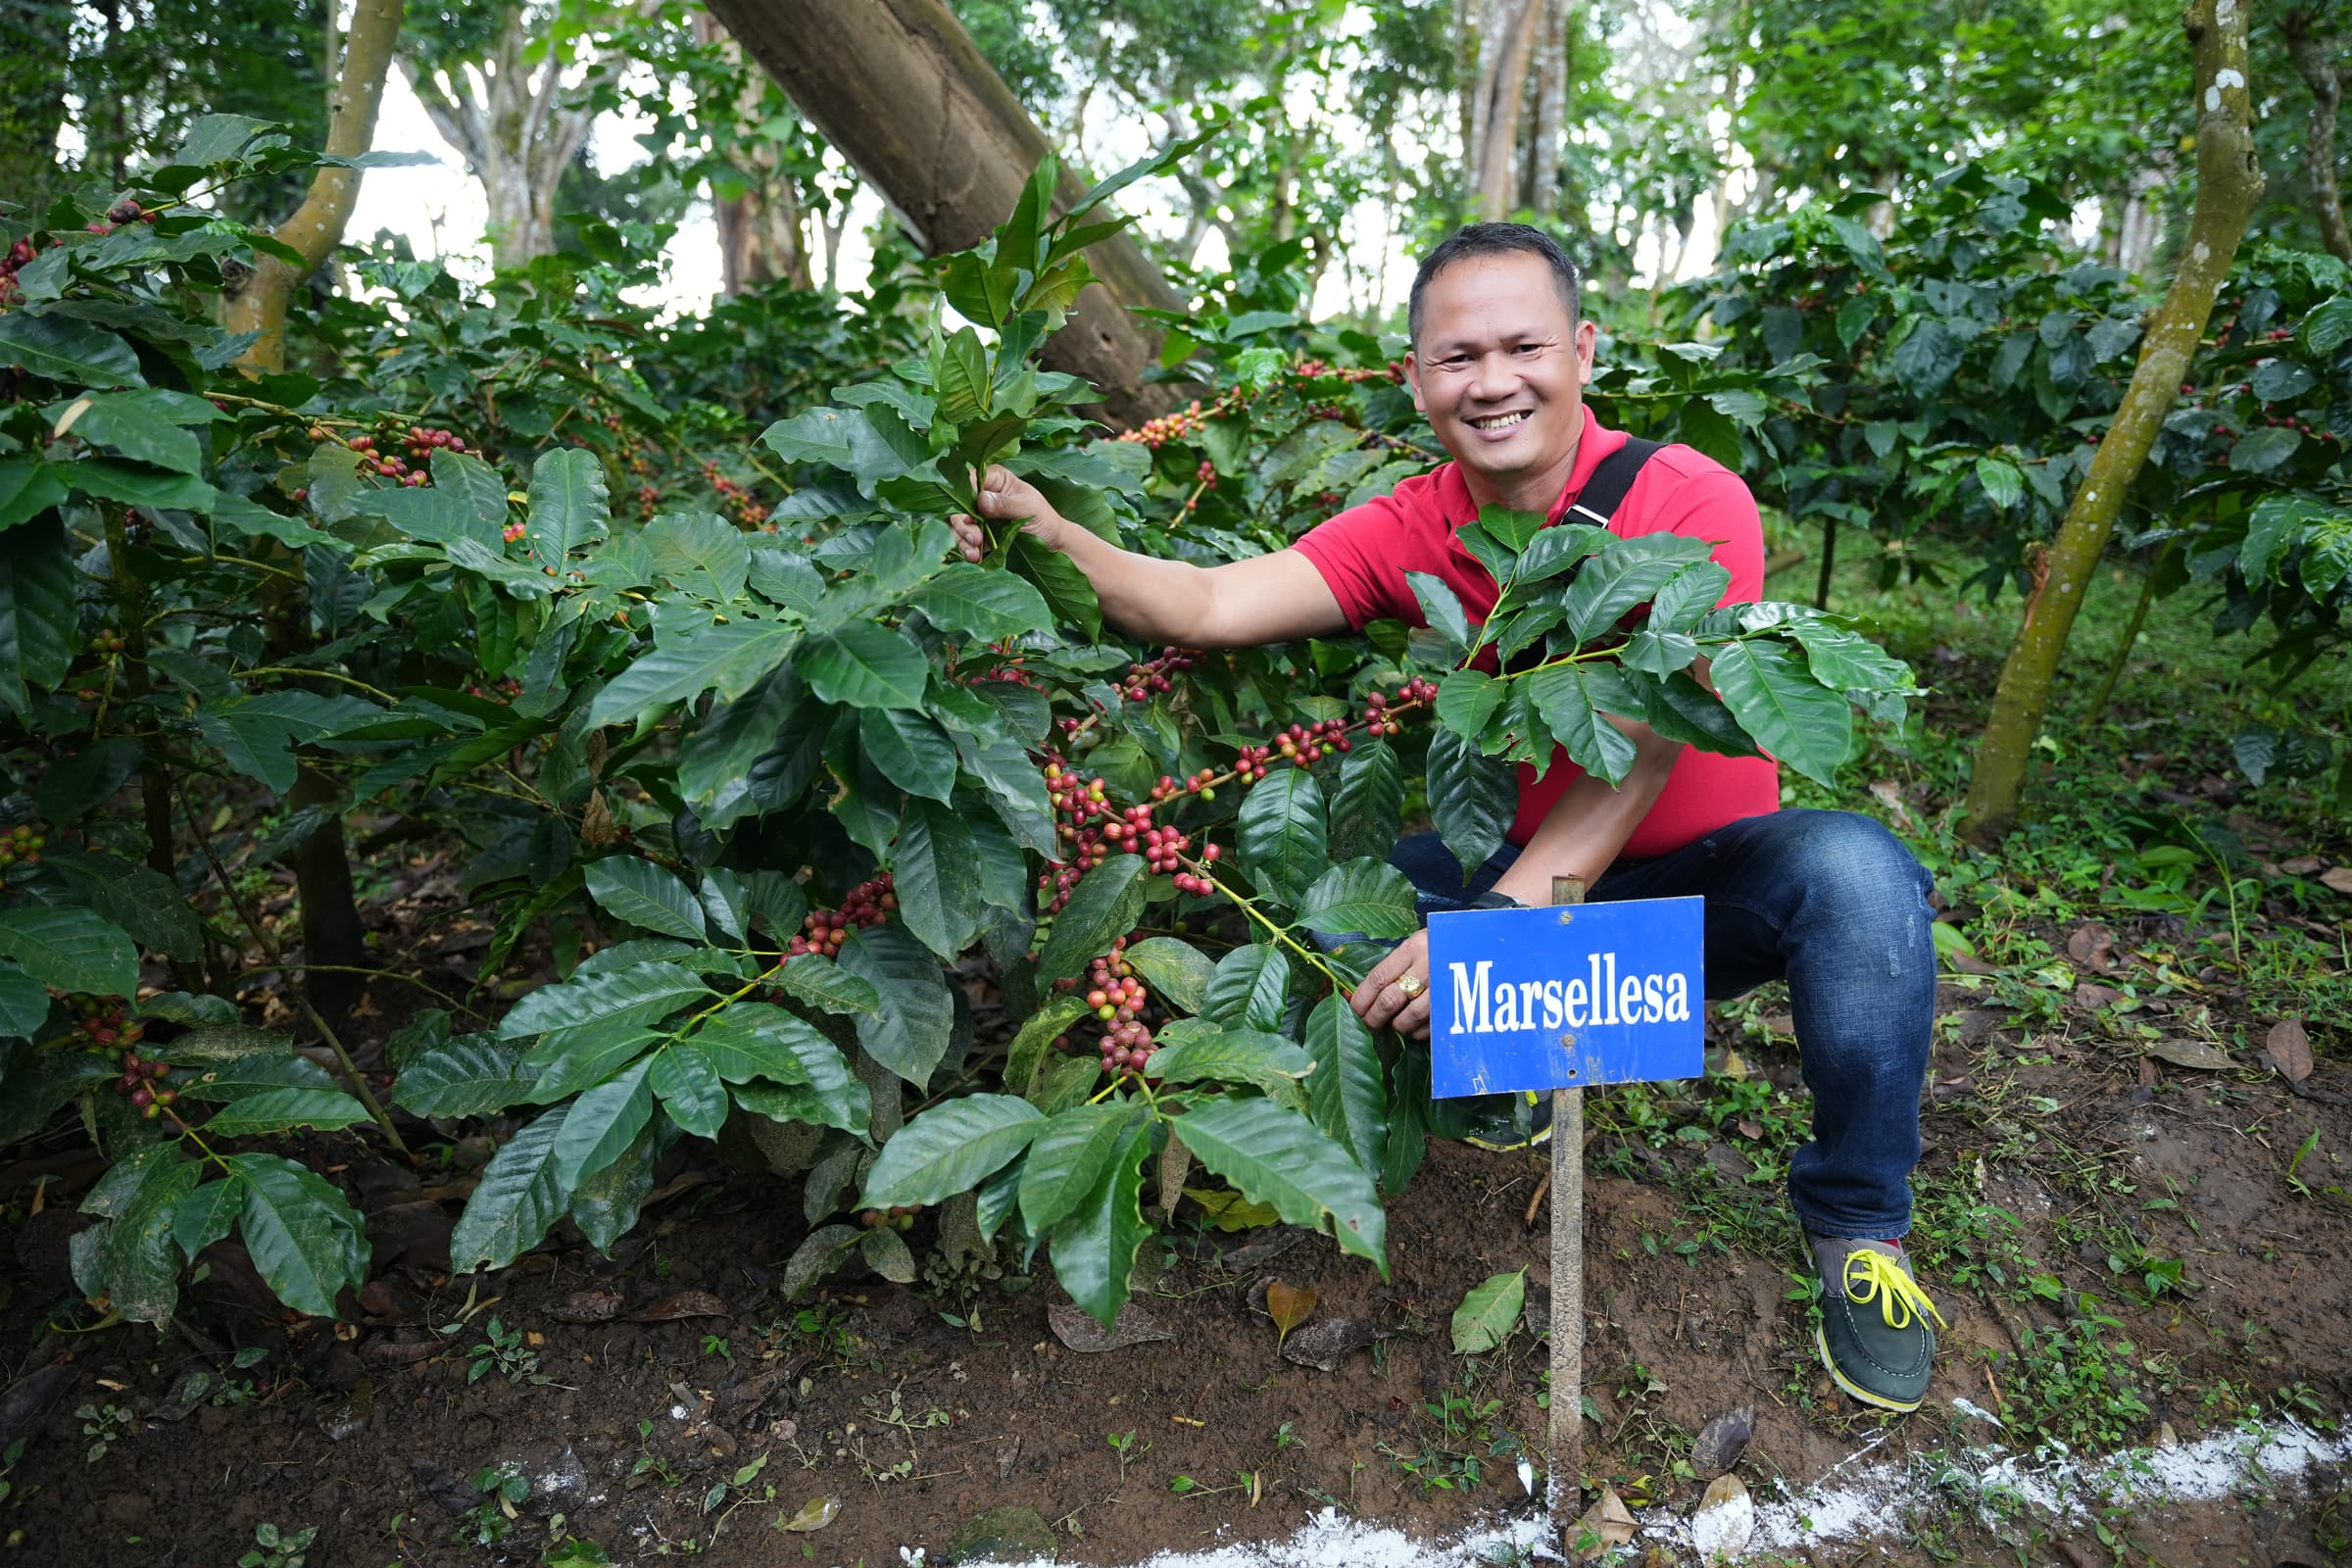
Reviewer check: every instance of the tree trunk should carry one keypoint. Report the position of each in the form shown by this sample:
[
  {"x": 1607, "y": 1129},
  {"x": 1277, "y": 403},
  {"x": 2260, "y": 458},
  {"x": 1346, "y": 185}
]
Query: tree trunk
[
  {"x": 316, "y": 226},
  {"x": 32, "y": 99},
  {"x": 1502, "y": 85},
  {"x": 2319, "y": 62},
  {"x": 760, "y": 238},
  {"x": 2228, "y": 185},
  {"x": 507, "y": 116},
  {"x": 900, "y": 90},
  {"x": 1540, "y": 168}
]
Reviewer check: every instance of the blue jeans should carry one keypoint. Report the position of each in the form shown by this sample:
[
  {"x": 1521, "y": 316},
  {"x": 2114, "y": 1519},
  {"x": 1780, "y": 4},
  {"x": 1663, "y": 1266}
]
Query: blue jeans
[{"x": 1834, "y": 904}]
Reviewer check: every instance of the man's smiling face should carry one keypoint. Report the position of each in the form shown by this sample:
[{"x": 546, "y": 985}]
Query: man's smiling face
[{"x": 1499, "y": 370}]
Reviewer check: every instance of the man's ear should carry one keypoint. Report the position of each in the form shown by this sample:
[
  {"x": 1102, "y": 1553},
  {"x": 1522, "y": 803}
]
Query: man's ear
[
  {"x": 1587, "y": 336},
  {"x": 1412, "y": 378}
]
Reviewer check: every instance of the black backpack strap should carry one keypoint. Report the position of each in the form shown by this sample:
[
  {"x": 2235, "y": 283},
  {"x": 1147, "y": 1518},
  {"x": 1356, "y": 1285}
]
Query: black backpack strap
[{"x": 1605, "y": 491}]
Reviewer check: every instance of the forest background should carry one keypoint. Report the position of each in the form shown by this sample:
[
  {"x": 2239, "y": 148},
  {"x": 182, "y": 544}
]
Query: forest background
[{"x": 487, "y": 698}]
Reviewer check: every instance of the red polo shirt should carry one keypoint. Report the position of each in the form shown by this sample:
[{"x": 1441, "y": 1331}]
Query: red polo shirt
[{"x": 1365, "y": 552}]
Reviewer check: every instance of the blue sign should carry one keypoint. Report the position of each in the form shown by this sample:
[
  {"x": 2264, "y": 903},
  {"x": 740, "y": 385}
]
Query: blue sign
[{"x": 1567, "y": 996}]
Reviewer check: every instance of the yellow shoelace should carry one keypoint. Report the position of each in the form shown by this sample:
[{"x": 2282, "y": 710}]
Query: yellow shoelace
[{"x": 1874, "y": 1276}]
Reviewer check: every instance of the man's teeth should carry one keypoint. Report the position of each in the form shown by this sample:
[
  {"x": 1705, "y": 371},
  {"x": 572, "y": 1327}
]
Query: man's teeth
[{"x": 1499, "y": 422}]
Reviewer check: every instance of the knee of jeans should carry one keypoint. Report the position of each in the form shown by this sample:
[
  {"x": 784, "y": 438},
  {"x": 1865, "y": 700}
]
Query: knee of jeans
[{"x": 1862, "y": 872}]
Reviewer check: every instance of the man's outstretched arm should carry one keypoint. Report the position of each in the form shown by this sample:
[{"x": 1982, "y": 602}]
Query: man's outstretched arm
[{"x": 1274, "y": 598}]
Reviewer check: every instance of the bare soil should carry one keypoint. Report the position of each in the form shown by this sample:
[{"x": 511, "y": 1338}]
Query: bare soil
[{"x": 372, "y": 1431}]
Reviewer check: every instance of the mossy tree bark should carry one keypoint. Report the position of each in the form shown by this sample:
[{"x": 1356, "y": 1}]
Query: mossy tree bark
[
  {"x": 2228, "y": 185},
  {"x": 900, "y": 89},
  {"x": 316, "y": 226},
  {"x": 2320, "y": 61}
]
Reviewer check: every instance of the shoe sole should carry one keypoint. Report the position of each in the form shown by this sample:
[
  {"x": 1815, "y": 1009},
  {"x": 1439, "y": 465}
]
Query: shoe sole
[
  {"x": 1821, "y": 1342},
  {"x": 1542, "y": 1136}
]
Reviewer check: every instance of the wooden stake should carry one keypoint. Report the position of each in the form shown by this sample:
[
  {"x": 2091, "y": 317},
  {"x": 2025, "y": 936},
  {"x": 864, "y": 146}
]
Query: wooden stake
[{"x": 1566, "y": 1487}]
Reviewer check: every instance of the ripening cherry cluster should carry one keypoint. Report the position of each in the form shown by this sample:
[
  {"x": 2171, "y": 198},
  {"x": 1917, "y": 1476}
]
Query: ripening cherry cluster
[
  {"x": 1313, "y": 369},
  {"x": 1182, "y": 425},
  {"x": 425, "y": 440},
  {"x": 1205, "y": 476},
  {"x": 21, "y": 845},
  {"x": 1142, "y": 680},
  {"x": 868, "y": 904},
  {"x": 1084, "y": 844},
  {"x": 104, "y": 1024},
  {"x": 514, "y": 531},
  {"x": 389, "y": 466},
  {"x": 1379, "y": 722},
  {"x": 19, "y": 254},
  {"x": 1119, "y": 1000},
  {"x": 141, "y": 1086},
  {"x": 735, "y": 497}
]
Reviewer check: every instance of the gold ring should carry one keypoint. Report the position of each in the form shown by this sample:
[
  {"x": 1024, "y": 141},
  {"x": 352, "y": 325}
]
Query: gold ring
[{"x": 1410, "y": 985}]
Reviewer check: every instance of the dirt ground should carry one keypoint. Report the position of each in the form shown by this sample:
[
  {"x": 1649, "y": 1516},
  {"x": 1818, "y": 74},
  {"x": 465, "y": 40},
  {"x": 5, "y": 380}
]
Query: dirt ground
[{"x": 634, "y": 1432}]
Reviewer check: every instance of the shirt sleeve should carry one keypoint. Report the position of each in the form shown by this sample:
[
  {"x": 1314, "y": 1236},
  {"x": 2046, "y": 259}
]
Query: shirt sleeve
[
  {"x": 1358, "y": 552},
  {"x": 1715, "y": 504}
]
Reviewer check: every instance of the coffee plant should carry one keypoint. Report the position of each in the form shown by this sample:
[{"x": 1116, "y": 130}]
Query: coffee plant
[{"x": 769, "y": 794}]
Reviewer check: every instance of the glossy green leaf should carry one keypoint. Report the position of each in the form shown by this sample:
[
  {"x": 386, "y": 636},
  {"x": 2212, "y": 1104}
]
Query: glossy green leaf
[
  {"x": 1472, "y": 799},
  {"x": 1441, "y": 611},
  {"x": 751, "y": 1040},
  {"x": 643, "y": 893},
  {"x": 950, "y": 1148},
  {"x": 1278, "y": 1157},
  {"x": 864, "y": 666},
  {"x": 1771, "y": 690},
  {"x": 911, "y": 749},
  {"x": 1177, "y": 972},
  {"x": 602, "y": 1122},
  {"x": 1249, "y": 988},
  {"x": 471, "y": 1075},
  {"x": 1067, "y": 1157},
  {"x": 305, "y": 1240},
  {"x": 700, "y": 552},
  {"x": 278, "y": 1110},
  {"x": 637, "y": 995},
  {"x": 1466, "y": 700},
  {"x": 933, "y": 873},
  {"x": 66, "y": 350},
  {"x": 689, "y": 1089},
  {"x": 1194, "y": 1052},
  {"x": 1367, "y": 808},
  {"x": 726, "y": 656},
  {"x": 908, "y": 1030},
  {"x": 70, "y": 949},
  {"x": 986, "y": 603},
  {"x": 606, "y": 1205},
  {"x": 824, "y": 985},
  {"x": 519, "y": 1197},
  {"x": 1107, "y": 902},
  {"x": 1093, "y": 1247},
  {"x": 129, "y": 1258},
  {"x": 39, "y": 611},
  {"x": 1364, "y": 896},
  {"x": 146, "y": 426},
  {"x": 1282, "y": 833},
  {"x": 569, "y": 509},
  {"x": 1348, "y": 1094},
  {"x": 1036, "y": 1037},
  {"x": 1565, "y": 696}
]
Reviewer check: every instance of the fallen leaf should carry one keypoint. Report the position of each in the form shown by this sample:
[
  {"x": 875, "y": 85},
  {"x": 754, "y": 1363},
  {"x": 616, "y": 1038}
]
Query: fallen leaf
[
  {"x": 2090, "y": 997},
  {"x": 1749, "y": 1128},
  {"x": 1289, "y": 1306},
  {"x": 2094, "y": 947},
  {"x": 1604, "y": 1526},
  {"x": 2301, "y": 864},
  {"x": 2151, "y": 1075},
  {"x": 1725, "y": 1522},
  {"x": 815, "y": 1514},
  {"x": 2192, "y": 1053},
  {"x": 1266, "y": 1247},
  {"x": 587, "y": 1307},
  {"x": 1488, "y": 1313},
  {"x": 1232, "y": 1210},
  {"x": 1969, "y": 963},
  {"x": 387, "y": 1353},
  {"x": 1133, "y": 1326},
  {"x": 1722, "y": 1440},
  {"x": 1325, "y": 1344},
  {"x": 2338, "y": 877},
  {"x": 685, "y": 1303},
  {"x": 2290, "y": 1050},
  {"x": 1890, "y": 794},
  {"x": 1733, "y": 1066}
]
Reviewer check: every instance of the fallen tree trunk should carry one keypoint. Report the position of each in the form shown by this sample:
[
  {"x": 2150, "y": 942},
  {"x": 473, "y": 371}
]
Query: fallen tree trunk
[{"x": 900, "y": 89}]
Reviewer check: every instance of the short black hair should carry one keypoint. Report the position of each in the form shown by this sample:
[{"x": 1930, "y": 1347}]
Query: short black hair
[{"x": 1473, "y": 240}]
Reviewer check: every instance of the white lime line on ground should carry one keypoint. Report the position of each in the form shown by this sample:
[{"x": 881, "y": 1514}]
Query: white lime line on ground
[{"x": 2252, "y": 1457}]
